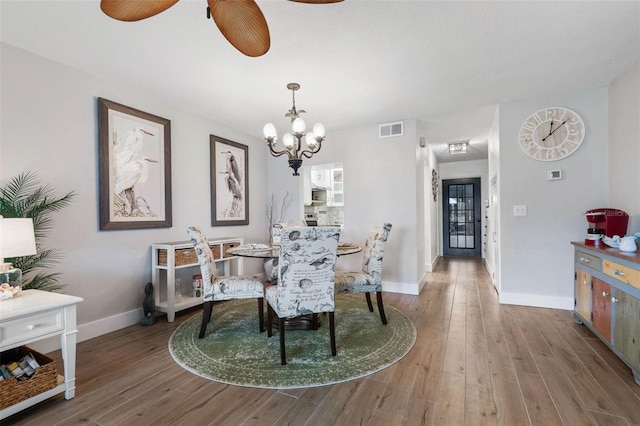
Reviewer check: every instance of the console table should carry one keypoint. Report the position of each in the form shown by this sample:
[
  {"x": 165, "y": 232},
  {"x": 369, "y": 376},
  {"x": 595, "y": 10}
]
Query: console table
[
  {"x": 607, "y": 299},
  {"x": 37, "y": 315},
  {"x": 167, "y": 258}
]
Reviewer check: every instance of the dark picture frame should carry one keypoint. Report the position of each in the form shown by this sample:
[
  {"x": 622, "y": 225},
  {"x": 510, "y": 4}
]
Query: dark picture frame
[
  {"x": 135, "y": 168},
  {"x": 229, "y": 182}
]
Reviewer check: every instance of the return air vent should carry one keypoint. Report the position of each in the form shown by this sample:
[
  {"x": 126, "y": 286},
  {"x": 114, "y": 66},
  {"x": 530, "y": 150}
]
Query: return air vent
[{"x": 390, "y": 129}]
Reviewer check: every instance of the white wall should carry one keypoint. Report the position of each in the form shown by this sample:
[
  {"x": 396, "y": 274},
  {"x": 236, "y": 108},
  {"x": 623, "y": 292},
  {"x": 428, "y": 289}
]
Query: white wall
[
  {"x": 536, "y": 258},
  {"x": 49, "y": 126},
  {"x": 492, "y": 259},
  {"x": 379, "y": 186},
  {"x": 432, "y": 212},
  {"x": 624, "y": 145}
]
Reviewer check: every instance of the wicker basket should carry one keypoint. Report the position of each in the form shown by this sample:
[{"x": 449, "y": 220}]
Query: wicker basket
[
  {"x": 13, "y": 391},
  {"x": 227, "y": 246},
  {"x": 185, "y": 256}
]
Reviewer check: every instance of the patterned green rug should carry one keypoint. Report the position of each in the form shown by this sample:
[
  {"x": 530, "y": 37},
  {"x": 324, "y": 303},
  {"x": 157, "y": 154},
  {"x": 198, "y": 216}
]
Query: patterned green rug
[{"x": 234, "y": 352}]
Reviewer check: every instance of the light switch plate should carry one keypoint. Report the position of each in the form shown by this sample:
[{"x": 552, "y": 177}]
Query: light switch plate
[{"x": 520, "y": 210}]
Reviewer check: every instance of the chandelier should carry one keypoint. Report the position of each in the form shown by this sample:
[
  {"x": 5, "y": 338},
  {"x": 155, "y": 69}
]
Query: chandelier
[{"x": 293, "y": 141}]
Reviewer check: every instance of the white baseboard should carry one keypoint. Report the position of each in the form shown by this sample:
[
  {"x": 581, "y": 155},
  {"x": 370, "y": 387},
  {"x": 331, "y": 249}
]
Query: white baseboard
[
  {"x": 92, "y": 329},
  {"x": 429, "y": 267},
  {"x": 403, "y": 288},
  {"x": 536, "y": 300}
]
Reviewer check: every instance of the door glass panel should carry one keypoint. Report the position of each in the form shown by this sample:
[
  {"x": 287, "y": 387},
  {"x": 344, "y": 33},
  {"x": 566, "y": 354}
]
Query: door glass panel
[{"x": 461, "y": 216}]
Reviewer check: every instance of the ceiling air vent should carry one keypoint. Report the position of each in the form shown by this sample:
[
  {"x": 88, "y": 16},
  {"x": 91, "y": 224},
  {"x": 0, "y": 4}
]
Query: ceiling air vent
[{"x": 390, "y": 129}]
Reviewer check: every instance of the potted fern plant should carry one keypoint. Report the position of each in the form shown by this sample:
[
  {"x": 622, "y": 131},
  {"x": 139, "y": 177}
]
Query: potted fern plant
[{"x": 26, "y": 196}]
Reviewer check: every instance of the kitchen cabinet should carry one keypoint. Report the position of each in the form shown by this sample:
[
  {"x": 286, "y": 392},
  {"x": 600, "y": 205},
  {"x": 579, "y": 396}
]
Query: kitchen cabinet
[
  {"x": 612, "y": 278},
  {"x": 169, "y": 259},
  {"x": 336, "y": 193}
]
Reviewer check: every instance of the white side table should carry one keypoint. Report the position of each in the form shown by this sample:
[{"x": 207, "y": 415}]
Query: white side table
[
  {"x": 170, "y": 257},
  {"x": 37, "y": 315}
]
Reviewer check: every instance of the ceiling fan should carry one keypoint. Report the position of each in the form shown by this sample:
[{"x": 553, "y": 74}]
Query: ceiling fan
[{"x": 241, "y": 22}]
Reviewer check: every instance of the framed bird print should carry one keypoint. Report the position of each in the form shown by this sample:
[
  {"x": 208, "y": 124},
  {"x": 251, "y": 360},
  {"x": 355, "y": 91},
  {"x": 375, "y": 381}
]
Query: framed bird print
[
  {"x": 229, "y": 182},
  {"x": 135, "y": 168}
]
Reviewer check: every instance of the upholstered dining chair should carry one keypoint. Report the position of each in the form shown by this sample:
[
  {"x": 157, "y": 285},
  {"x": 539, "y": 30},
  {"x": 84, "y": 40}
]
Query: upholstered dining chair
[
  {"x": 370, "y": 278},
  {"x": 271, "y": 265},
  {"x": 306, "y": 271},
  {"x": 217, "y": 288}
]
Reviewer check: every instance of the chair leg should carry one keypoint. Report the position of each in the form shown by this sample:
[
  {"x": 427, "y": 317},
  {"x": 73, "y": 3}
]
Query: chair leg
[
  {"x": 269, "y": 320},
  {"x": 261, "y": 313},
  {"x": 368, "y": 296},
  {"x": 283, "y": 357},
  {"x": 332, "y": 333},
  {"x": 207, "y": 308},
  {"x": 383, "y": 317}
]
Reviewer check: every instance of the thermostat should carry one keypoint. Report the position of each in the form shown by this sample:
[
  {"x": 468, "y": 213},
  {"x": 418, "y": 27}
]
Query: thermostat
[{"x": 554, "y": 174}]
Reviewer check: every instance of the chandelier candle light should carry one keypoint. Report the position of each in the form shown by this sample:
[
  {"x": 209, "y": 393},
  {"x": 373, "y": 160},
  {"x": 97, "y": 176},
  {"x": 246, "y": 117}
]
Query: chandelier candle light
[
  {"x": 17, "y": 239},
  {"x": 293, "y": 141}
]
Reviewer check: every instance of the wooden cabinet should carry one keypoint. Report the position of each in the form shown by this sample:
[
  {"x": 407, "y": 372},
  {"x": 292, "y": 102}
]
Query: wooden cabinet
[
  {"x": 170, "y": 261},
  {"x": 583, "y": 295},
  {"x": 601, "y": 308},
  {"x": 627, "y": 330},
  {"x": 613, "y": 312}
]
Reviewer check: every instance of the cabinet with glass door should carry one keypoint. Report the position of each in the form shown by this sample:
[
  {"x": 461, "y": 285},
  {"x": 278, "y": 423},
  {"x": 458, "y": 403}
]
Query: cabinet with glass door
[{"x": 336, "y": 197}]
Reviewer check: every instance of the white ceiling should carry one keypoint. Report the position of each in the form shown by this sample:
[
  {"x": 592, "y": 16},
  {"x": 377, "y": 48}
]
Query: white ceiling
[{"x": 359, "y": 62}]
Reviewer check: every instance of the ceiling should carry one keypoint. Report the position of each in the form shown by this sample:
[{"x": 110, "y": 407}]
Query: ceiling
[{"x": 359, "y": 62}]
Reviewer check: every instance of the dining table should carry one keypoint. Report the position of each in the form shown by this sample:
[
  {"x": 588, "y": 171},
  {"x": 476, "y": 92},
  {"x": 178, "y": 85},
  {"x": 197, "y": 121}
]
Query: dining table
[{"x": 264, "y": 251}]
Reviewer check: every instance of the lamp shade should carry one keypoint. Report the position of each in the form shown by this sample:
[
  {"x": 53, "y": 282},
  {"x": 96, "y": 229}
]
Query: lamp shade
[
  {"x": 269, "y": 131},
  {"x": 310, "y": 140},
  {"x": 17, "y": 237},
  {"x": 298, "y": 125},
  {"x": 318, "y": 130},
  {"x": 287, "y": 140}
]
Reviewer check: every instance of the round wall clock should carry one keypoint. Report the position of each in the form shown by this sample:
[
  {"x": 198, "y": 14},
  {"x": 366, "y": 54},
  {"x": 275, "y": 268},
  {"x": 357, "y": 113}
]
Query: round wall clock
[{"x": 551, "y": 134}]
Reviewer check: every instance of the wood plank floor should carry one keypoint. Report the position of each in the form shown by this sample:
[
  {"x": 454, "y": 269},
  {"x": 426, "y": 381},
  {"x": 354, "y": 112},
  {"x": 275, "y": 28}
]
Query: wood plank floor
[{"x": 475, "y": 362}]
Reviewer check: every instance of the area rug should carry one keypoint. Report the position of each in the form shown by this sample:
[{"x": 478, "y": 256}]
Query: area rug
[{"x": 233, "y": 351}]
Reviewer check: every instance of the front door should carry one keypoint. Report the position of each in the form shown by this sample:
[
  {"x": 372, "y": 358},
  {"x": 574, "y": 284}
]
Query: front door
[{"x": 462, "y": 220}]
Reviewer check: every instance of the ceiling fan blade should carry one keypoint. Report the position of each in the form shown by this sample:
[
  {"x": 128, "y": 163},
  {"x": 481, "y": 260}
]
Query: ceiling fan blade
[
  {"x": 317, "y": 1},
  {"x": 134, "y": 10},
  {"x": 242, "y": 23}
]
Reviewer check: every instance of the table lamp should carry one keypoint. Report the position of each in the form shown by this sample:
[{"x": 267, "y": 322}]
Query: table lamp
[{"x": 17, "y": 239}]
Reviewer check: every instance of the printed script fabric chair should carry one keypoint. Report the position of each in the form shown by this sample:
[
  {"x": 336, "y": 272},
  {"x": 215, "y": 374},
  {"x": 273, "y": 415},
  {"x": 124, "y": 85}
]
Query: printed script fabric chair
[
  {"x": 306, "y": 271},
  {"x": 222, "y": 288},
  {"x": 370, "y": 279},
  {"x": 271, "y": 265}
]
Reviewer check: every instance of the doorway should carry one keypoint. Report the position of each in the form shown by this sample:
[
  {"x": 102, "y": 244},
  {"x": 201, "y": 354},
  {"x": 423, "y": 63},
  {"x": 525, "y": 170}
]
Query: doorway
[{"x": 461, "y": 206}]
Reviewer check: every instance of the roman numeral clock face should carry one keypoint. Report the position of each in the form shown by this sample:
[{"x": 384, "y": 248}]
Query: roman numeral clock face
[{"x": 551, "y": 134}]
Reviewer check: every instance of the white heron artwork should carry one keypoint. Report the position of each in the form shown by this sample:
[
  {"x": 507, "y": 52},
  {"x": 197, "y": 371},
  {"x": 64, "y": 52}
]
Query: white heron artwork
[
  {"x": 131, "y": 169},
  {"x": 233, "y": 184}
]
